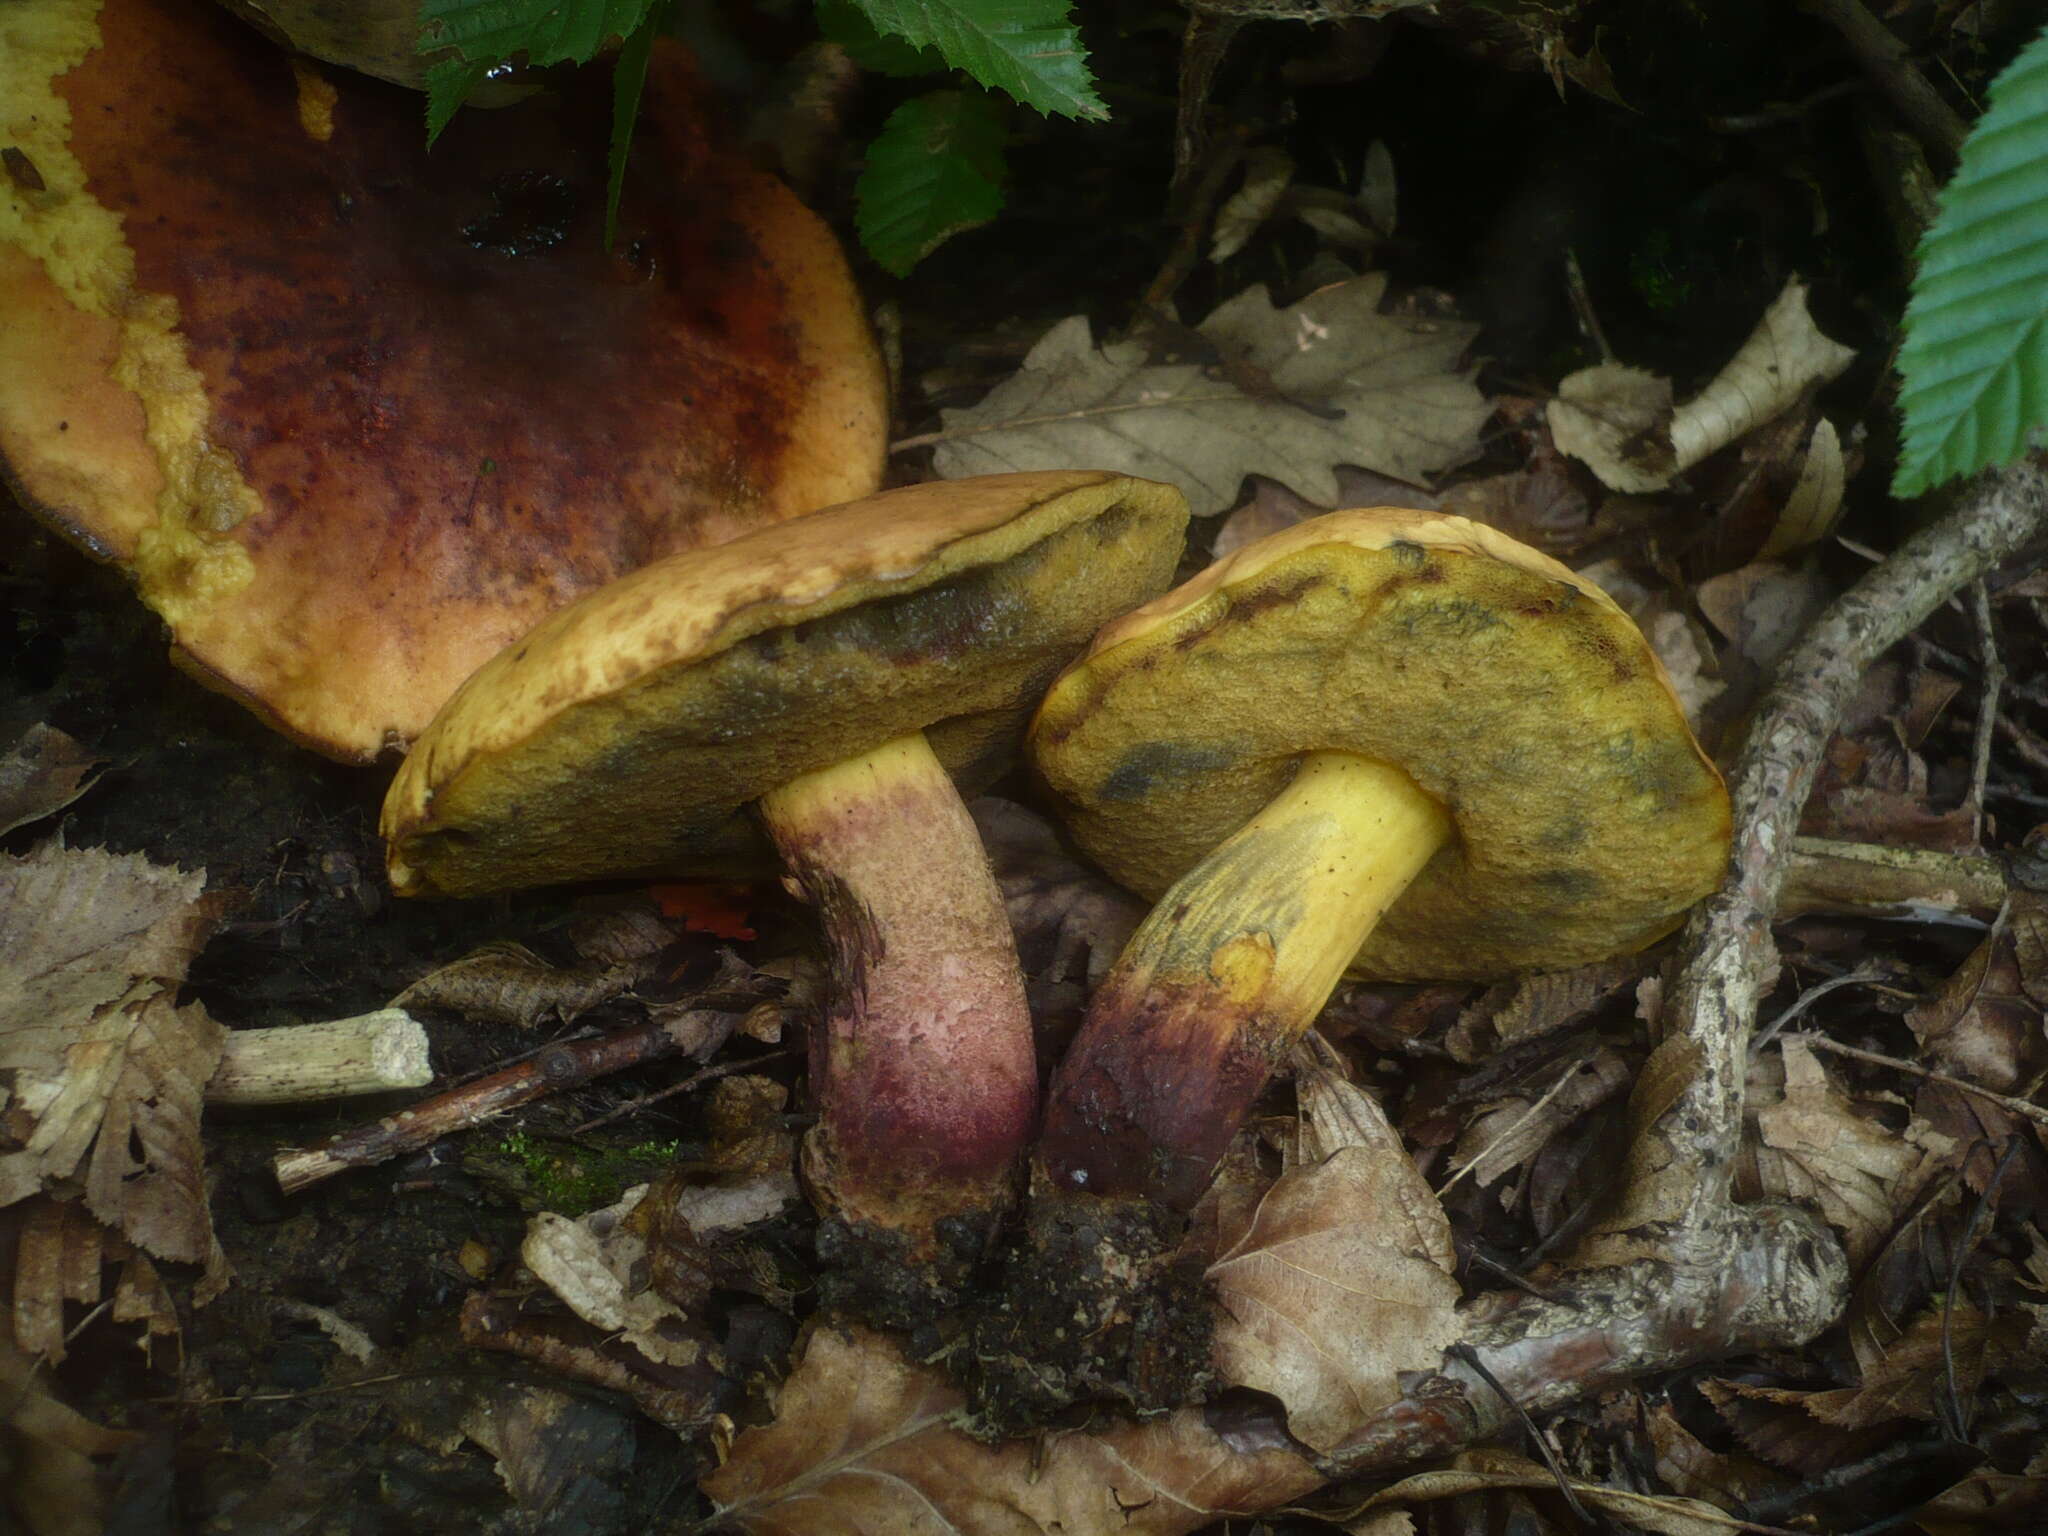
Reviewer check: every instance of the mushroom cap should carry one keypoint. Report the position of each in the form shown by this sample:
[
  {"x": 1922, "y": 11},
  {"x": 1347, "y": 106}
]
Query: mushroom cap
[
  {"x": 628, "y": 733},
  {"x": 1514, "y": 692},
  {"x": 355, "y": 416}
]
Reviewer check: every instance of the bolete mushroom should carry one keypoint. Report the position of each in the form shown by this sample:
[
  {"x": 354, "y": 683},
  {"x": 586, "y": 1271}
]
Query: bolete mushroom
[
  {"x": 1391, "y": 742},
  {"x": 818, "y": 685},
  {"x": 355, "y": 416}
]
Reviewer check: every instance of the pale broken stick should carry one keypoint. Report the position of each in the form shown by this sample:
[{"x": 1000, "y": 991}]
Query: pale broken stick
[
  {"x": 1680, "y": 1273},
  {"x": 335, "y": 1059}
]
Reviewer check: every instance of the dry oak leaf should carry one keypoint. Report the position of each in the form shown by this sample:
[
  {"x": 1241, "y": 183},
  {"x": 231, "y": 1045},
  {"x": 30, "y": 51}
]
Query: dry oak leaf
[
  {"x": 1341, "y": 1279},
  {"x": 1348, "y": 385},
  {"x": 102, "y": 1072},
  {"x": 1819, "y": 1148},
  {"x": 864, "y": 1443}
]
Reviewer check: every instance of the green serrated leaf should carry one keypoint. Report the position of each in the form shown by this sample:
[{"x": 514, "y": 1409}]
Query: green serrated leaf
[
  {"x": 629, "y": 78},
  {"x": 449, "y": 82},
  {"x": 1973, "y": 368},
  {"x": 935, "y": 169},
  {"x": 546, "y": 31},
  {"x": 1025, "y": 48},
  {"x": 843, "y": 22}
]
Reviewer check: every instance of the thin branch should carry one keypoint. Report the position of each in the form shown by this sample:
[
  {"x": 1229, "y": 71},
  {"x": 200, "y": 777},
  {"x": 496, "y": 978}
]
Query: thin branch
[
  {"x": 2024, "y": 1108},
  {"x": 1711, "y": 1011},
  {"x": 1987, "y": 708}
]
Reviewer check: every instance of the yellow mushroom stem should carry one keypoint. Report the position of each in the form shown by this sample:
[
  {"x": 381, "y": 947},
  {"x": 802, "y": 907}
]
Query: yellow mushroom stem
[
  {"x": 923, "y": 1068},
  {"x": 1225, "y": 974}
]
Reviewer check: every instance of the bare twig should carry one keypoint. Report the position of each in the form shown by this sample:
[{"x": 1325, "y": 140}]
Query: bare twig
[
  {"x": 1885, "y": 60},
  {"x": 1712, "y": 1008},
  {"x": 564, "y": 1064},
  {"x": 2026, "y": 1109},
  {"x": 1987, "y": 708}
]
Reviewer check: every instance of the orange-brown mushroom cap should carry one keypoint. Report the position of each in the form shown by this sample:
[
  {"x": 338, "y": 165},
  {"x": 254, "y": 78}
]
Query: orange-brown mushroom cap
[{"x": 354, "y": 415}]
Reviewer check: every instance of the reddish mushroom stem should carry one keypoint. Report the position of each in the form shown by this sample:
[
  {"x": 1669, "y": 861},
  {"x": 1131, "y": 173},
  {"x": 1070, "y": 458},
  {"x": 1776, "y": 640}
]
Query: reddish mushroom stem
[{"x": 923, "y": 1068}]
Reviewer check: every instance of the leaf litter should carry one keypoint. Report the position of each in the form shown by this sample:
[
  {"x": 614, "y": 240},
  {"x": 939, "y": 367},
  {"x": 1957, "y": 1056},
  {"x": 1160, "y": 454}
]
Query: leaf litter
[{"x": 1334, "y": 381}]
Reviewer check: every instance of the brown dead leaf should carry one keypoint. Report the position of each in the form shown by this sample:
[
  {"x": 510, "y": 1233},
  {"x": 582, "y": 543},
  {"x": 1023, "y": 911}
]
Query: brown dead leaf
[
  {"x": 1509, "y": 1131},
  {"x": 1489, "y": 1471},
  {"x": 1535, "y": 1006},
  {"x": 864, "y": 1442},
  {"x": 52, "y": 1487},
  {"x": 1819, "y": 1147},
  {"x": 1984, "y": 1025},
  {"x": 1346, "y": 384},
  {"x": 42, "y": 773},
  {"x": 60, "y": 1254},
  {"x": 1342, "y": 1278},
  {"x": 1761, "y": 609},
  {"x": 105, "y": 1074},
  {"x": 1071, "y": 921},
  {"x": 545, "y": 1441},
  {"x": 506, "y": 983}
]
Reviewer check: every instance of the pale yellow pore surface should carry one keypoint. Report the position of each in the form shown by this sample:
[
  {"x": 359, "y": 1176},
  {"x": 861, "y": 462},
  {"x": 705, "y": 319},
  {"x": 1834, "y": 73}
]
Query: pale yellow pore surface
[
  {"x": 1513, "y": 693},
  {"x": 628, "y": 732},
  {"x": 95, "y": 396}
]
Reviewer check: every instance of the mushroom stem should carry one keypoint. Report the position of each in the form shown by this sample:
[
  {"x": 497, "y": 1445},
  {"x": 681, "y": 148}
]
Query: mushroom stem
[
  {"x": 1225, "y": 974},
  {"x": 923, "y": 1069}
]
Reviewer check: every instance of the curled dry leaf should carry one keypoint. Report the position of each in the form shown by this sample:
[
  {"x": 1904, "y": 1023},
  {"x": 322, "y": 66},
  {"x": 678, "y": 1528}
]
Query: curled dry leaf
[
  {"x": 1621, "y": 421},
  {"x": 863, "y": 1442},
  {"x": 1819, "y": 1148},
  {"x": 507, "y": 983},
  {"x": 597, "y": 1264},
  {"x": 107, "y": 1074},
  {"x": 1341, "y": 1278},
  {"x": 44, "y": 771},
  {"x": 1341, "y": 383},
  {"x": 1499, "y": 1471}
]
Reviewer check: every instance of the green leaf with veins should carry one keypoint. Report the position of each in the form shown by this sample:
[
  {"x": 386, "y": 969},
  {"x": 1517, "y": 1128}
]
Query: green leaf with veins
[
  {"x": 474, "y": 37},
  {"x": 1973, "y": 368},
  {"x": 843, "y": 22},
  {"x": 1026, "y": 48},
  {"x": 935, "y": 169}
]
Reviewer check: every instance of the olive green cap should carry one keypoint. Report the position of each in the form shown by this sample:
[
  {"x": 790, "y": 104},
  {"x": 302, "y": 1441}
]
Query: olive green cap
[
  {"x": 1517, "y": 694},
  {"x": 627, "y": 733}
]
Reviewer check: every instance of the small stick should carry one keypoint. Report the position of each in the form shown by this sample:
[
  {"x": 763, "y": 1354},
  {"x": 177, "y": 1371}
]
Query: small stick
[
  {"x": 2021, "y": 1107},
  {"x": 565, "y": 1064},
  {"x": 1885, "y": 60},
  {"x": 1987, "y": 708},
  {"x": 301, "y": 1063},
  {"x": 1870, "y": 880}
]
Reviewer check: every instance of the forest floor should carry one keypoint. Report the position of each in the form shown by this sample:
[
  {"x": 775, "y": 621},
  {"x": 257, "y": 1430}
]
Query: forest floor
[{"x": 1540, "y": 198}]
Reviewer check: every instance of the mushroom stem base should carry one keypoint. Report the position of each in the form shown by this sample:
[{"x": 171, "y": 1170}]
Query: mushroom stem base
[
  {"x": 1227, "y": 972},
  {"x": 923, "y": 1068}
]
